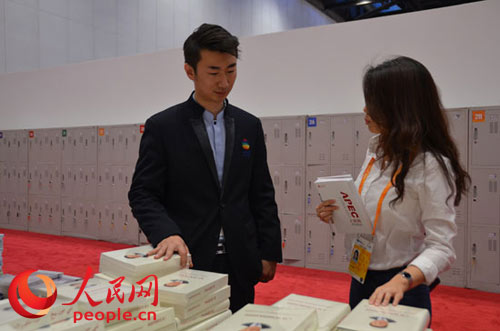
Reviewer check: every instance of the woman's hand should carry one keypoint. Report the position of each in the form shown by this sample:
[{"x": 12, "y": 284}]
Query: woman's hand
[{"x": 325, "y": 211}]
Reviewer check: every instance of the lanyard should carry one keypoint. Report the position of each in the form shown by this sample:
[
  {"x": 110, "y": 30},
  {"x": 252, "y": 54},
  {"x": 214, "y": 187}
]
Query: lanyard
[{"x": 384, "y": 192}]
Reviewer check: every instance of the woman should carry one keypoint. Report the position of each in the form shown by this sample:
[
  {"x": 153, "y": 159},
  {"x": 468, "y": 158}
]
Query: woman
[{"x": 413, "y": 159}]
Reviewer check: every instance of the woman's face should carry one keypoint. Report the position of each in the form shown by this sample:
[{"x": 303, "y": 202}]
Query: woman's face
[{"x": 372, "y": 126}]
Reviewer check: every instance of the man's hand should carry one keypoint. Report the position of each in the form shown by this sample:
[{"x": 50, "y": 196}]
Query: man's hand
[
  {"x": 268, "y": 271},
  {"x": 393, "y": 289},
  {"x": 168, "y": 246}
]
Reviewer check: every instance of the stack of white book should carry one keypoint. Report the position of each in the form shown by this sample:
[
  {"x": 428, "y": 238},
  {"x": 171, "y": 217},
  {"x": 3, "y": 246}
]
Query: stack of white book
[
  {"x": 134, "y": 264},
  {"x": 150, "y": 318},
  {"x": 365, "y": 317},
  {"x": 330, "y": 313},
  {"x": 11, "y": 320},
  {"x": 195, "y": 295},
  {"x": 257, "y": 317}
]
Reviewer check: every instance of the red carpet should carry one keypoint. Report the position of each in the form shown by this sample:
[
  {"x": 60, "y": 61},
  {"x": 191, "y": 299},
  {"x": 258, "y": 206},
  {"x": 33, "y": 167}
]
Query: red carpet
[{"x": 453, "y": 308}]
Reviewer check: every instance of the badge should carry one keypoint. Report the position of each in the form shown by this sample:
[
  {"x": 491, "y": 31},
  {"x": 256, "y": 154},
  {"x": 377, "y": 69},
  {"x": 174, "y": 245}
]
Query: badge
[{"x": 360, "y": 258}]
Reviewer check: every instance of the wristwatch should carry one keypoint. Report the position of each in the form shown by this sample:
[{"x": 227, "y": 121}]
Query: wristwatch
[{"x": 407, "y": 276}]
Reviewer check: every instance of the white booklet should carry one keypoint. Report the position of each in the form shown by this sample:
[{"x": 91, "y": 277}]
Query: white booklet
[
  {"x": 365, "y": 317},
  {"x": 351, "y": 217},
  {"x": 253, "y": 317},
  {"x": 330, "y": 313}
]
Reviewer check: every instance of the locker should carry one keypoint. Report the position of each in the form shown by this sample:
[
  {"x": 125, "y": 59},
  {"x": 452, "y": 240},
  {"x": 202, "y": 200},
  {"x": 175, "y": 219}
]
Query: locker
[
  {"x": 132, "y": 141},
  {"x": 104, "y": 183},
  {"x": 105, "y": 223},
  {"x": 484, "y": 135},
  {"x": 361, "y": 138},
  {"x": 4, "y": 208},
  {"x": 455, "y": 276},
  {"x": 52, "y": 179},
  {"x": 485, "y": 197},
  {"x": 67, "y": 180},
  {"x": 340, "y": 252},
  {"x": 90, "y": 220},
  {"x": 312, "y": 195},
  {"x": 10, "y": 146},
  {"x": 68, "y": 146},
  {"x": 11, "y": 178},
  {"x": 293, "y": 190},
  {"x": 318, "y": 242},
  {"x": 86, "y": 152},
  {"x": 20, "y": 179},
  {"x": 104, "y": 146},
  {"x": 318, "y": 140},
  {"x": 272, "y": 137},
  {"x": 457, "y": 120},
  {"x": 124, "y": 227},
  {"x": 35, "y": 179},
  {"x": 45, "y": 215},
  {"x": 35, "y": 208},
  {"x": 22, "y": 151},
  {"x": 3, "y": 146},
  {"x": 275, "y": 172},
  {"x": 292, "y": 236},
  {"x": 342, "y": 140},
  {"x": 118, "y": 147},
  {"x": 4, "y": 177},
  {"x": 484, "y": 258},
  {"x": 293, "y": 142},
  {"x": 19, "y": 218},
  {"x": 73, "y": 218},
  {"x": 88, "y": 182},
  {"x": 121, "y": 177}
]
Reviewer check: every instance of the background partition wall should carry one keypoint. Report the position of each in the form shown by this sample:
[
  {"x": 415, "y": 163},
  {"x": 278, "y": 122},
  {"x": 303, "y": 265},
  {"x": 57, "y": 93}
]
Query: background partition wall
[{"x": 74, "y": 181}]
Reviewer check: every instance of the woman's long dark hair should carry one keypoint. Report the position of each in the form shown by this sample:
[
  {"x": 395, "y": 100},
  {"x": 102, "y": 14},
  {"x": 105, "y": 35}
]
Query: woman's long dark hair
[{"x": 403, "y": 100}]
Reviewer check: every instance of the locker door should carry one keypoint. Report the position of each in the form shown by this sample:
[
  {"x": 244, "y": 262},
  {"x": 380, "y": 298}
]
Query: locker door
[
  {"x": 23, "y": 146},
  {"x": 52, "y": 215},
  {"x": 54, "y": 146},
  {"x": 104, "y": 189},
  {"x": 132, "y": 142},
  {"x": 485, "y": 196},
  {"x": 118, "y": 144},
  {"x": 36, "y": 211},
  {"x": 361, "y": 138},
  {"x": 293, "y": 142},
  {"x": 4, "y": 176},
  {"x": 21, "y": 180},
  {"x": 91, "y": 218},
  {"x": 485, "y": 267},
  {"x": 275, "y": 172},
  {"x": 104, "y": 145},
  {"x": 340, "y": 252},
  {"x": 68, "y": 147},
  {"x": 20, "y": 217},
  {"x": 68, "y": 216},
  {"x": 4, "y": 202},
  {"x": 53, "y": 183},
  {"x": 35, "y": 181},
  {"x": 3, "y": 147},
  {"x": 342, "y": 140},
  {"x": 312, "y": 195},
  {"x": 106, "y": 221},
  {"x": 318, "y": 238},
  {"x": 457, "y": 119},
  {"x": 66, "y": 180},
  {"x": 89, "y": 186},
  {"x": 456, "y": 275},
  {"x": 11, "y": 178},
  {"x": 292, "y": 237},
  {"x": 318, "y": 140},
  {"x": 485, "y": 134},
  {"x": 89, "y": 152},
  {"x": 11, "y": 147},
  {"x": 33, "y": 147},
  {"x": 293, "y": 190},
  {"x": 272, "y": 137}
]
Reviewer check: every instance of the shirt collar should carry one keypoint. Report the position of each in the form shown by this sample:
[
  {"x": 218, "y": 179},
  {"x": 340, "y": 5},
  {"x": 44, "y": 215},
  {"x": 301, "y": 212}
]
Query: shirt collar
[{"x": 207, "y": 115}]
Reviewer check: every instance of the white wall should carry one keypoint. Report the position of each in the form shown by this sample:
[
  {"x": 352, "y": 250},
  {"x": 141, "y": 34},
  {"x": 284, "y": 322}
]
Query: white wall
[
  {"x": 38, "y": 34},
  {"x": 306, "y": 71}
]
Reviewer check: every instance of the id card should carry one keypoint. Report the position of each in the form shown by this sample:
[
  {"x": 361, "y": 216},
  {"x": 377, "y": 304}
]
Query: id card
[{"x": 360, "y": 258}]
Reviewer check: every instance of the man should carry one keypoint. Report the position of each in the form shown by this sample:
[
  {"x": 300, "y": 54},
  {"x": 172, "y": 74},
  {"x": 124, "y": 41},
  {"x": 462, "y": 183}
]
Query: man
[{"x": 202, "y": 185}]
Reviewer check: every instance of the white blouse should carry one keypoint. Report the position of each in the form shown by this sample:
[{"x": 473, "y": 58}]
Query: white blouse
[{"x": 417, "y": 230}]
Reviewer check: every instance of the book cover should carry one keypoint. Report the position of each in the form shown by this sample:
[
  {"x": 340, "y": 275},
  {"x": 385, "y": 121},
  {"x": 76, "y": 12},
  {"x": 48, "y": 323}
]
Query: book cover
[
  {"x": 330, "y": 313},
  {"x": 351, "y": 217},
  {"x": 134, "y": 264},
  {"x": 252, "y": 316},
  {"x": 188, "y": 285},
  {"x": 366, "y": 317}
]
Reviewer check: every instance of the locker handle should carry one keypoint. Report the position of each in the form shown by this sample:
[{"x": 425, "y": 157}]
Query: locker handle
[
  {"x": 333, "y": 136},
  {"x": 474, "y": 191},
  {"x": 286, "y": 186},
  {"x": 357, "y": 136},
  {"x": 309, "y": 135},
  {"x": 474, "y": 249},
  {"x": 476, "y": 133},
  {"x": 286, "y": 138}
]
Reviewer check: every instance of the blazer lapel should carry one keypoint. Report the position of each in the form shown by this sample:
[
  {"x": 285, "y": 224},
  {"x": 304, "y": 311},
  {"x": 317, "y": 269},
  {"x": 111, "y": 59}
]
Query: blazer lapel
[
  {"x": 229, "y": 124},
  {"x": 201, "y": 134}
]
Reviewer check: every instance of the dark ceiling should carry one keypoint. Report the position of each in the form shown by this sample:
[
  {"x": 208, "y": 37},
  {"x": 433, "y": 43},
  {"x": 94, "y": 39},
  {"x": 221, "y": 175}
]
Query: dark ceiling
[{"x": 350, "y": 10}]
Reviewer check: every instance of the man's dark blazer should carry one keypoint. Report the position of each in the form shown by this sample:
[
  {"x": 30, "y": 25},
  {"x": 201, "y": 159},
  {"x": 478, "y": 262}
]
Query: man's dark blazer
[{"x": 175, "y": 189}]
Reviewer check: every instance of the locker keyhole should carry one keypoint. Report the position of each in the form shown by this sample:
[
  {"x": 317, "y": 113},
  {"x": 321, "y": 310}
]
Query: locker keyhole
[
  {"x": 476, "y": 133},
  {"x": 474, "y": 193},
  {"x": 286, "y": 186},
  {"x": 333, "y": 137},
  {"x": 286, "y": 138}
]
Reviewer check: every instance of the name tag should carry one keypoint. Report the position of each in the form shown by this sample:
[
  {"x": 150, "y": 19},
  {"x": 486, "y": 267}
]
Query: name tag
[{"x": 360, "y": 258}]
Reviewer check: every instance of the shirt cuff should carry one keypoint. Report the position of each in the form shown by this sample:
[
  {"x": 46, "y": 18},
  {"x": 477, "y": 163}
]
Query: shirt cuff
[{"x": 427, "y": 267}]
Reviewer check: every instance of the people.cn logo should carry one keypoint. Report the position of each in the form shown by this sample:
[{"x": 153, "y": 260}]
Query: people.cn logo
[{"x": 19, "y": 289}]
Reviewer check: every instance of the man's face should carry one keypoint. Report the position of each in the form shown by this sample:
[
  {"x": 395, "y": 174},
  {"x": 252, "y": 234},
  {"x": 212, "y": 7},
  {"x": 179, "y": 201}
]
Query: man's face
[{"x": 214, "y": 77}]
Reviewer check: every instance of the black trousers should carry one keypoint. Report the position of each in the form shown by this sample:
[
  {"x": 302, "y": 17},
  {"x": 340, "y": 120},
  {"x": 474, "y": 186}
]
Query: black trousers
[
  {"x": 242, "y": 292},
  {"x": 416, "y": 297}
]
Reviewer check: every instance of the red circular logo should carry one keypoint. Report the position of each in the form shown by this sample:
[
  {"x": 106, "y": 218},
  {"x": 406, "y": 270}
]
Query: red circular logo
[{"x": 19, "y": 286}]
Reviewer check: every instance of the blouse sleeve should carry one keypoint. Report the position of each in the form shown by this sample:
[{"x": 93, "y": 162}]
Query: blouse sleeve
[{"x": 438, "y": 219}]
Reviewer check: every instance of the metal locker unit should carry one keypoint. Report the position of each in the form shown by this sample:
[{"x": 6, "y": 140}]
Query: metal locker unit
[
  {"x": 118, "y": 145},
  {"x": 79, "y": 145},
  {"x": 19, "y": 218},
  {"x": 14, "y": 146},
  {"x": 4, "y": 209},
  {"x": 458, "y": 124},
  {"x": 4, "y": 177},
  {"x": 292, "y": 236},
  {"x": 484, "y": 133},
  {"x": 20, "y": 178},
  {"x": 76, "y": 218},
  {"x": 456, "y": 275},
  {"x": 319, "y": 239},
  {"x": 293, "y": 190},
  {"x": 3, "y": 147},
  {"x": 484, "y": 196},
  {"x": 125, "y": 228},
  {"x": 44, "y": 214},
  {"x": 342, "y": 140},
  {"x": 293, "y": 148},
  {"x": 104, "y": 222},
  {"x": 361, "y": 138},
  {"x": 82, "y": 184},
  {"x": 312, "y": 196},
  {"x": 275, "y": 172},
  {"x": 45, "y": 146},
  {"x": 104, "y": 182},
  {"x": 50, "y": 179},
  {"x": 105, "y": 145},
  {"x": 484, "y": 258},
  {"x": 272, "y": 138},
  {"x": 121, "y": 177},
  {"x": 318, "y": 140}
]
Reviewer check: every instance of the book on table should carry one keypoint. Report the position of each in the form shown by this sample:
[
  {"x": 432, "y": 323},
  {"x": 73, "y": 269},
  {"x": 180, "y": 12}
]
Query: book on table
[
  {"x": 330, "y": 313},
  {"x": 253, "y": 317},
  {"x": 365, "y": 317},
  {"x": 213, "y": 310},
  {"x": 134, "y": 264},
  {"x": 351, "y": 216}
]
